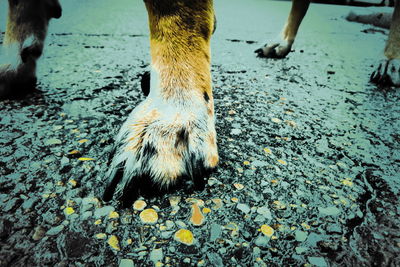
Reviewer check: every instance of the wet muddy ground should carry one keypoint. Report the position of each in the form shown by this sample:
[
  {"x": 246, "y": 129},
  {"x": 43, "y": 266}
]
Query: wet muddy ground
[{"x": 310, "y": 151}]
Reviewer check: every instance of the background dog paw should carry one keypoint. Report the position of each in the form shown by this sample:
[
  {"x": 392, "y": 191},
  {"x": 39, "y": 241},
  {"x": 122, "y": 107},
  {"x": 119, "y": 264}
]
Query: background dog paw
[
  {"x": 387, "y": 73},
  {"x": 275, "y": 50}
]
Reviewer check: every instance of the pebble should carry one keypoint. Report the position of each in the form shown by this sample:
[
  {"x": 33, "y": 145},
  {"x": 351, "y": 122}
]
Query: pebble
[
  {"x": 69, "y": 211},
  {"x": 184, "y": 236},
  {"x": 181, "y": 224},
  {"x": 217, "y": 203},
  {"x": 317, "y": 261},
  {"x": 139, "y": 205},
  {"x": 267, "y": 230},
  {"x": 215, "y": 232},
  {"x": 174, "y": 201},
  {"x": 301, "y": 236},
  {"x": 197, "y": 217},
  {"x": 262, "y": 241},
  {"x": 329, "y": 211},
  {"x": 113, "y": 215},
  {"x": 238, "y": 186},
  {"x": 156, "y": 255},
  {"x": 166, "y": 234},
  {"x": 243, "y": 207},
  {"x": 101, "y": 236},
  {"x": 149, "y": 216},
  {"x": 300, "y": 250},
  {"x": 39, "y": 233},
  {"x": 126, "y": 263},
  {"x": 104, "y": 211},
  {"x": 113, "y": 242},
  {"x": 55, "y": 230},
  {"x": 265, "y": 211},
  {"x": 170, "y": 224}
]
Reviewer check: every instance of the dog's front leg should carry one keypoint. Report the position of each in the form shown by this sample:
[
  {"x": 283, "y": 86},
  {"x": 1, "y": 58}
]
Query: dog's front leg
[
  {"x": 388, "y": 71},
  {"x": 281, "y": 47},
  {"x": 171, "y": 135}
]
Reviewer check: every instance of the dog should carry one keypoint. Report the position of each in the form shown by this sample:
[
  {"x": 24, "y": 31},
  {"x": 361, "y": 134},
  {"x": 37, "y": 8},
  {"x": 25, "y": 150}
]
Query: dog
[{"x": 171, "y": 134}]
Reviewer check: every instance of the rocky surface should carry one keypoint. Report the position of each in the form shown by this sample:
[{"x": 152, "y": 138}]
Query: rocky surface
[{"x": 309, "y": 149}]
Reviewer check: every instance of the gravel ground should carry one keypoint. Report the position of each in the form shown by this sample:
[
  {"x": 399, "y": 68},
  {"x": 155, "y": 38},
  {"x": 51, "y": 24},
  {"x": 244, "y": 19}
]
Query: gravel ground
[{"x": 309, "y": 149}]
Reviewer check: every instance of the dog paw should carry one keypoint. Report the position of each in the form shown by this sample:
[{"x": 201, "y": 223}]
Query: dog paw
[
  {"x": 276, "y": 50},
  {"x": 162, "y": 142},
  {"x": 387, "y": 73}
]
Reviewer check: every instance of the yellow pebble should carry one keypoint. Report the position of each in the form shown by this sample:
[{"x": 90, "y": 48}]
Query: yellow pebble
[
  {"x": 68, "y": 211},
  {"x": 246, "y": 162},
  {"x": 184, "y": 236},
  {"x": 206, "y": 210},
  {"x": 72, "y": 182},
  {"x": 267, "y": 230},
  {"x": 101, "y": 236},
  {"x": 149, "y": 216},
  {"x": 113, "y": 215},
  {"x": 113, "y": 242},
  {"x": 267, "y": 150},
  {"x": 97, "y": 222},
  {"x": 235, "y": 199},
  {"x": 83, "y": 141},
  {"x": 282, "y": 162},
  {"x": 139, "y": 205}
]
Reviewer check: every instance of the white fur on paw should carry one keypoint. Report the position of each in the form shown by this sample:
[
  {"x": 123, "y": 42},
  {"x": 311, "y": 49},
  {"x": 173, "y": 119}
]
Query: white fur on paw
[{"x": 165, "y": 140}]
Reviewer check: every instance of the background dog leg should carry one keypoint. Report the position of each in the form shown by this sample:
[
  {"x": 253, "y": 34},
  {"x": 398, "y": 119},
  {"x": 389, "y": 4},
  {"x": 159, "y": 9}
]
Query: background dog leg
[
  {"x": 281, "y": 48},
  {"x": 388, "y": 71},
  {"x": 26, "y": 31}
]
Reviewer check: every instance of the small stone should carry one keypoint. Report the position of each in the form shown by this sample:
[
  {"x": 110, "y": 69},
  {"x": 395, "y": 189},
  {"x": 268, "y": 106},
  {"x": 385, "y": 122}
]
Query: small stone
[
  {"x": 243, "y": 207},
  {"x": 197, "y": 217},
  {"x": 317, "y": 261},
  {"x": 126, "y": 263},
  {"x": 174, "y": 201},
  {"x": 238, "y": 186},
  {"x": 113, "y": 215},
  {"x": 267, "y": 230},
  {"x": 235, "y": 200},
  {"x": 217, "y": 203},
  {"x": 97, "y": 222},
  {"x": 53, "y": 141},
  {"x": 156, "y": 255},
  {"x": 104, "y": 211},
  {"x": 184, "y": 236},
  {"x": 301, "y": 236},
  {"x": 69, "y": 211},
  {"x": 282, "y": 162},
  {"x": 113, "y": 242},
  {"x": 139, "y": 205},
  {"x": 300, "y": 250},
  {"x": 55, "y": 230},
  {"x": 262, "y": 241},
  {"x": 206, "y": 210},
  {"x": 215, "y": 232},
  {"x": 101, "y": 236},
  {"x": 149, "y": 216},
  {"x": 276, "y": 120},
  {"x": 329, "y": 211},
  {"x": 72, "y": 182},
  {"x": 267, "y": 151},
  {"x": 236, "y": 131},
  {"x": 39, "y": 233},
  {"x": 170, "y": 224}
]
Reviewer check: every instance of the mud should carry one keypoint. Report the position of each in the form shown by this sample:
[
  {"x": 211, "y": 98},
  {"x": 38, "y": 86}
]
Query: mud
[{"x": 308, "y": 148}]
